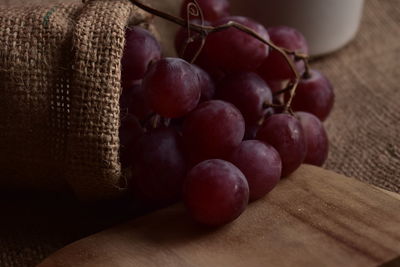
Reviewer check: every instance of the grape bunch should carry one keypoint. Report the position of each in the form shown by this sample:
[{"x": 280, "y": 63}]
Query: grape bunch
[{"x": 216, "y": 130}]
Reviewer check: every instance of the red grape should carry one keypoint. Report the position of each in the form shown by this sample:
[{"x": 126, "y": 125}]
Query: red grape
[
  {"x": 212, "y": 9},
  {"x": 316, "y": 138},
  {"x": 314, "y": 95},
  {"x": 207, "y": 85},
  {"x": 261, "y": 164},
  {"x": 212, "y": 130},
  {"x": 141, "y": 48},
  {"x": 234, "y": 50},
  {"x": 248, "y": 92},
  {"x": 172, "y": 87},
  {"x": 159, "y": 167},
  {"x": 129, "y": 133},
  {"x": 285, "y": 134},
  {"x": 275, "y": 67},
  {"x": 215, "y": 192}
]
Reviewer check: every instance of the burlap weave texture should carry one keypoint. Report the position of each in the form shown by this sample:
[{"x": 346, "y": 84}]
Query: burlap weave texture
[
  {"x": 59, "y": 95},
  {"x": 364, "y": 127}
]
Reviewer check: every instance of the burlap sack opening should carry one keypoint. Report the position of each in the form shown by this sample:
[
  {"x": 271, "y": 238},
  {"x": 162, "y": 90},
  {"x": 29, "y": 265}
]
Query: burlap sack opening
[{"x": 59, "y": 96}]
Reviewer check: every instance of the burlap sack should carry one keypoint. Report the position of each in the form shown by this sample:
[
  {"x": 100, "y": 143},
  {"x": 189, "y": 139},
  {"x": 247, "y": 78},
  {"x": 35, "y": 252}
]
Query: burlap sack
[{"x": 59, "y": 96}]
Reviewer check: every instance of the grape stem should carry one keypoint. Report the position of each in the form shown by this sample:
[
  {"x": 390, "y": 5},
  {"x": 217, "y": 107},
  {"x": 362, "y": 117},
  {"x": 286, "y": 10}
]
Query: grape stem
[
  {"x": 206, "y": 30},
  {"x": 156, "y": 121},
  {"x": 193, "y": 9},
  {"x": 284, "y": 90},
  {"x": 303, "y": 57},
  {"x": 270, "y": 105}
]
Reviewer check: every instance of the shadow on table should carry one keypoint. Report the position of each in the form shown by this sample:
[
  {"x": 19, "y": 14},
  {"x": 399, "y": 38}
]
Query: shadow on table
[{"x": 34, "y": 225}]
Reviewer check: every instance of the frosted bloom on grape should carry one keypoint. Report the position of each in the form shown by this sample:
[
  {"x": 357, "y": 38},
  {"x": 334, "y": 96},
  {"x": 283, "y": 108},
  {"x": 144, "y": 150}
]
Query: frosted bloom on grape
[
  {"x": 234, "y": 50},
  {"x": 172, "y": 87},
  {"x": 215, "y": 192}
]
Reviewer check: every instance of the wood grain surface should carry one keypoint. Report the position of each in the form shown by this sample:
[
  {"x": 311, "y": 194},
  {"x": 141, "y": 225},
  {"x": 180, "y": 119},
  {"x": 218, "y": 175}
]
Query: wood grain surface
[{"x": 313, "y": 218}]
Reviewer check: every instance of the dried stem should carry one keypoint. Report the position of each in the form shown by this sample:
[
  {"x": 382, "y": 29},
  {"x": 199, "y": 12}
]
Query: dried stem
[
  {"x": 155, "y": 121},
  {"x": 270, "y": 105},
  {"x": 203, "y": 42},
  {"x": 194, "y": 10},
  {"x": 206, "y": 30},
  {"x": 306, "y": 74},
  {"x": 284, "y": 90},
  {"x": 303, "y": 57},
  {"x": 166, "y": 122}
]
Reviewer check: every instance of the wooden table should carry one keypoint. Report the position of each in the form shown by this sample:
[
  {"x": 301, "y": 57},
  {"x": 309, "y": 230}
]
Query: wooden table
[{"x": 313, "y": 218}]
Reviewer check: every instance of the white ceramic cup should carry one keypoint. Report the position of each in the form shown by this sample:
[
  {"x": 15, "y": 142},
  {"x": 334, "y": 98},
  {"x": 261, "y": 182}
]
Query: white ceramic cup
[{"x": 327, "y": 24}]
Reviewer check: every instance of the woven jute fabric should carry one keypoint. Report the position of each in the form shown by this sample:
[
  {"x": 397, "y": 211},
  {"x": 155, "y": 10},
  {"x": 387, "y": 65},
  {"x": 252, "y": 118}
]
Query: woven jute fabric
[
  {"x": 59, "y": 95},
  {"x": 364, "y": 128}
]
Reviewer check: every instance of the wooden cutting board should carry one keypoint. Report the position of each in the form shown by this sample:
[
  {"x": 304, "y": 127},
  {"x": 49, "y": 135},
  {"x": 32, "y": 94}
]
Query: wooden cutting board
[{"x": 313, "y": 218}]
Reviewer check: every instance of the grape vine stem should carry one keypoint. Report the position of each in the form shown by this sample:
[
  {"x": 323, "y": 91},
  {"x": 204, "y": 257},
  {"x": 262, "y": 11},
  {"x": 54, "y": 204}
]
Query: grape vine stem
[
  {"x": 193, "y": 9},
  {"x": 206, "y": 30}
]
